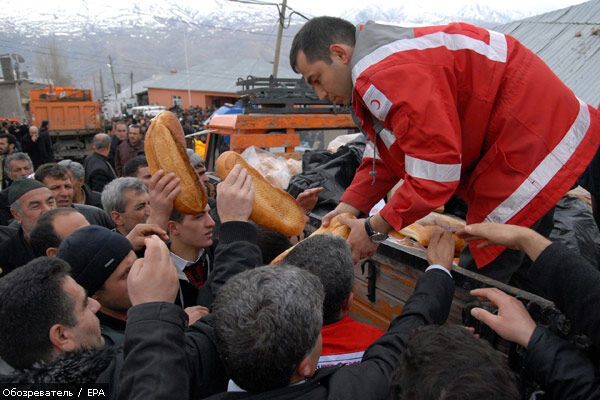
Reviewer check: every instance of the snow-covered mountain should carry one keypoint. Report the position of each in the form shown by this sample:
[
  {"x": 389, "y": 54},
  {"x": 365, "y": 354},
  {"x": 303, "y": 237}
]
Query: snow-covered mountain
[{"x": 147, "y": 37}]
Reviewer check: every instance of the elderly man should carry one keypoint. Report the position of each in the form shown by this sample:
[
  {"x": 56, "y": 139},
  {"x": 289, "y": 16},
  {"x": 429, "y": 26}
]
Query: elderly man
[
  {"x": 39, "y": 146},
  {"x": 57, "y": 179},
  {"x": 82, "y": 194},
  {"x": 127, "y": 202},
  {"x": 18, "y": 165},
  {"x": 449, "y": 109},
  {"x": 52, "y": 228},
  {"x": 29, "y": 200},
  {"x": 129, "y": 148},
  {"x": 98, "y": 171}
]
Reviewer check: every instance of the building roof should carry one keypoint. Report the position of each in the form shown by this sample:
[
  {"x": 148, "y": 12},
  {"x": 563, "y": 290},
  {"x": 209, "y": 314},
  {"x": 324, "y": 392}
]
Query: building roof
[
  {"x": 568, "y": 40},
  {"x": 219, "y": 75}
]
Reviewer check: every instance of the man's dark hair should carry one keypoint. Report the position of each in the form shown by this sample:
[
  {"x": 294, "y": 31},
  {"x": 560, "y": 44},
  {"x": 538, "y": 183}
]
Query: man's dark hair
[
  {"x": 131, "y": 167},
  {"x": 330, "y": 259},
  {"x": 448, "y": 362},
  {"x": 266, "y": 321},
  {"x": 176, "y": 216},
  {"x": 271, "y": 243},
  {"x": 32, "y": 300},
  {"x": 43, "y": 236},
  {"x": 51, "y": 170},
  {"x": 10, "y": 138},
  {"x": 315, "y": 37}
]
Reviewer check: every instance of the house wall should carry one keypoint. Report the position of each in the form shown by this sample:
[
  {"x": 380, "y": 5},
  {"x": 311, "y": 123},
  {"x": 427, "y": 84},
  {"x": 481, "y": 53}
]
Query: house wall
[{"x": 164, "y": 97}]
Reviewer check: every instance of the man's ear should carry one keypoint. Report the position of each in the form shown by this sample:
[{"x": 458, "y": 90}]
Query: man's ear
[
  {"x": 15, "y": 214},
  {"x": 52, "y": 251},
  {"x": 172, "y": 228},
  {"x": 116, "y": 217},
  {"x": 347, "y": 304},
  {"x": 62, "y": 338},
  {"x": 342, "y": 52}
]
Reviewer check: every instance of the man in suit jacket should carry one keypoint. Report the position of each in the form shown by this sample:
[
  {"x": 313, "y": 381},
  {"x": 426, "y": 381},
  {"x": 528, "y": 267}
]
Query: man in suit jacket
[{"x": 98, "y": 171}]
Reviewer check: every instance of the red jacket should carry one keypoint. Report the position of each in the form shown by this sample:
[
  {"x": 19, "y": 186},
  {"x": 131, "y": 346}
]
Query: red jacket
[{"x": 462, "y": 109}]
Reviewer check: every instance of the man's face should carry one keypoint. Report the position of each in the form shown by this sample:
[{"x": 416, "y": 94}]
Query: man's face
[
  {"x": 196, "y": 230},
  {"x": 134, "y": 136},
  {"x": 86, "y": 332},
  {"x": 201, "y": 172},
  {"x": 113, "y": 295},
  {"x": 19, "y": 169},
  {"x": 65, "y": 224},
  {"x": 62, "y": 190},
  {"x": 4, "y": 148},
  {"x": 137, "y": 210},
  {"x": 143, "y": 174},
  {"x": 33, "y": 205},
  {"x": 121, "y": 131},
  {"x": 332, "y": 81}
]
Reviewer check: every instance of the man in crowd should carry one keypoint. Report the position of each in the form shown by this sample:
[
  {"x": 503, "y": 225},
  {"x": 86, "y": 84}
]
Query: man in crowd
[
  {"x": 58, "y": 180},
  {"x": 127, "y": 202},
  {"x": 39, "y": 146},
  {"x": 118, "y": 135},
  {"x": 137, "y": 167},
  {"x": 129, "y": 148},
  {"x": 82, "y": 194},
  {"x": 52, "y": 228},
  {"x": 440, "y": 147},
  {"x": 98, "y": 170},
  {"x": 18, "y": 165},
  {"x": 29, "y": 200},
  {"x": 7, "y": 147},
  {"x": 100, "y": 261},
  {"x": 330, "y": 259}
]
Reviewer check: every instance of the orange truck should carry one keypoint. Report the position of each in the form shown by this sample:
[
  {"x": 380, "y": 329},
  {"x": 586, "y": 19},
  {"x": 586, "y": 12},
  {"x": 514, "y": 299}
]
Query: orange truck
[{"x": 72, "y": 115}]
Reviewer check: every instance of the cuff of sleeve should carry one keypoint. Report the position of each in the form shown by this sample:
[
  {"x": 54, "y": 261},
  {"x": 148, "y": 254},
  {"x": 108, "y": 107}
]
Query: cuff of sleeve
[
  {"x": 236, "y": 231},
  {"x": 437, "y": 266},
  {"x": 157, "y": 311}
]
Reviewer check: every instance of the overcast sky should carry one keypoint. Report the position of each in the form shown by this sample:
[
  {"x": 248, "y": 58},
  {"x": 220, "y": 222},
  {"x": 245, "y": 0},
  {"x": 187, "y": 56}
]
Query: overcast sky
[{"x": 312, "y": 7}]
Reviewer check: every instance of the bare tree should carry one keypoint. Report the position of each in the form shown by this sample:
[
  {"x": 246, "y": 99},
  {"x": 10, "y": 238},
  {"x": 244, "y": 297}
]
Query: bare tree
[{"x": 52, "y": 66}]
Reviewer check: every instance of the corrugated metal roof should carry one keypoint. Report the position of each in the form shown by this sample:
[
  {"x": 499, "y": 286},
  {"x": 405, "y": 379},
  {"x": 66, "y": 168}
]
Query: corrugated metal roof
[
  {"x": 565, "y": 40},
  {"x": 219, "y": 75}
]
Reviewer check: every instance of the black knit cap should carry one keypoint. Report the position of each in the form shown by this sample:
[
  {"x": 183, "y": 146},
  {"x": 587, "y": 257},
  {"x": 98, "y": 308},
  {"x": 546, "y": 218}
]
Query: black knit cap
[
  {"x": 93, "y": 253},
  {"x": 22, "y": 186}
]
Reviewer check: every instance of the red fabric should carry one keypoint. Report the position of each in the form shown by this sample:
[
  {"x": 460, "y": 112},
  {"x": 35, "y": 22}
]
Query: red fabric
[
  {"x": 347, "y": 336},
  {"x": 498, "y": 120}
]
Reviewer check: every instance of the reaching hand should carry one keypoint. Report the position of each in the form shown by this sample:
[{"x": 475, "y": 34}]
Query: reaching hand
[
  {"x": 153, "y": 278},
  {"x": 361, "y": 245},
  {"x": 140, "y": 232},
  {"x": 235, "y": 196},
  {"x": 513, "y": 322},
  {"x": 440, "y": 250},
  {"x": 307, "y": 200},
  {"x": 196, "y": 313},
  {"x": 340, "y": 209},
  {"x": 163, "y": 191}
]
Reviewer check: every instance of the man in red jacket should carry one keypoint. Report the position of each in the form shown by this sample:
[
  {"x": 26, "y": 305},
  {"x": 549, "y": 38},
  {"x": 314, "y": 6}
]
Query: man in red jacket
[{"x": 449, "y": 109}]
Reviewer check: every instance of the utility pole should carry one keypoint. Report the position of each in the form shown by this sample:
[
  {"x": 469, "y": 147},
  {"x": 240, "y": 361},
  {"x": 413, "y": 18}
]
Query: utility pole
[
  {"x": 112, "y": 72},
  {"x": 131, "y": 80},
  {"x": 101, "y": 86},
  {"x": 279, "y": 35}
]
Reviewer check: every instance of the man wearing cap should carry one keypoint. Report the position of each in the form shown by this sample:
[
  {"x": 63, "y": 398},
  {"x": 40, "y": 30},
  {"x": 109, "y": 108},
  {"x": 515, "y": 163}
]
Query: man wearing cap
[
  {"x": 29, "y": 200},
  {"x": 100, "y": 261}
]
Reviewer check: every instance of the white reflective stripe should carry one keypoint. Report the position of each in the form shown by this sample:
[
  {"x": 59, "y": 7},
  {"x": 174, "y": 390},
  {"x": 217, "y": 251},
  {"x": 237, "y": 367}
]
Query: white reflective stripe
[
  {"x": 495, "y": 51},
  {"x": 348, "y": 358},
  {"x": 545, "y": 171},
  {"x": 370, "y": 151},
  {"x": 428, "y": 170},
  {"x": 387, "y": 137},
  {"x": 377, "y": 102}
]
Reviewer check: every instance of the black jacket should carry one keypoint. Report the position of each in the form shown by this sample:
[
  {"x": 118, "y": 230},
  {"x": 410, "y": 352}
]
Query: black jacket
[
  {"x": 430, "y": 303},
  {"x": 568, "y": 280},
  {"x": 15, "y": 252},
  {"x": 39, "y": 151},
  {"x": 560, "y": 368},
  {"x": 92, "y": 198},
  {"x": 98, "y": 171},
  {"x": 95, "y": 215}
]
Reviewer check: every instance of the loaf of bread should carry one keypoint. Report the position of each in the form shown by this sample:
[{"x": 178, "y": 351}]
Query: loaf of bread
[
  {"x": 335, "y": 228},
  {"x": 422, "y": 233},
  {"x": 273, "y": 208},
  {"x": 164, "y": 146}
]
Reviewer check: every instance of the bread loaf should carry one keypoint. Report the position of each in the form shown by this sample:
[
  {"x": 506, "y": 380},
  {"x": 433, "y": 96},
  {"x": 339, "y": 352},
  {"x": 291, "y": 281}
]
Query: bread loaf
[
  {"x": 164, "y": 145},
  {"x": 273, "y": 208}
]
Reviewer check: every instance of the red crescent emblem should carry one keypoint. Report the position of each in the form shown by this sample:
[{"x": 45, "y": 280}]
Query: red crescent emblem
[{"x": 376, "y": 103}]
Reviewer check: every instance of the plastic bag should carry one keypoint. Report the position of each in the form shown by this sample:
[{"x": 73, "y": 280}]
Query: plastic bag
[
  {"x": 274, "y": 169},
  {"x": 342, "y": 140}
]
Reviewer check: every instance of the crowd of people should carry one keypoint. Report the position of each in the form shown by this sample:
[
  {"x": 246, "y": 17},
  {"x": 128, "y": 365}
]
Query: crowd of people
[{"x": 103, "y": 281}]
